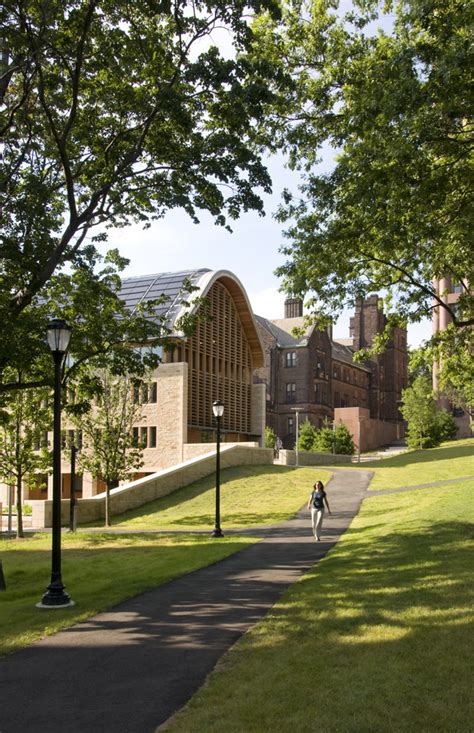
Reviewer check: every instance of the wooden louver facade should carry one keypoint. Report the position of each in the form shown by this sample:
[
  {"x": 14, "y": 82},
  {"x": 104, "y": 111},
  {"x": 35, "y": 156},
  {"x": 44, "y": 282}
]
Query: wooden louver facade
[{"x": 220, "y": 366}]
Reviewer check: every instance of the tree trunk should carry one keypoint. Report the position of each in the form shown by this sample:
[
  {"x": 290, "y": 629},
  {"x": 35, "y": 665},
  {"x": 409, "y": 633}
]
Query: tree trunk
[
  {"x": 107, "y": 505},
  {"x": 19, "y": 508}
]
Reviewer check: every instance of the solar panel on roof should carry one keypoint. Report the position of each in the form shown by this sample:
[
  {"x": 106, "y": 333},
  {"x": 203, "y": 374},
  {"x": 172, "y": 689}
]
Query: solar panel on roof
[{"x": 139, "y": 289}]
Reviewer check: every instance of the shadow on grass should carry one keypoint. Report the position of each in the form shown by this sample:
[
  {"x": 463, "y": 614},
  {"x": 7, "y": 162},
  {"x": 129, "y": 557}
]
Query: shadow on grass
[{"x": 384, "y": 621}]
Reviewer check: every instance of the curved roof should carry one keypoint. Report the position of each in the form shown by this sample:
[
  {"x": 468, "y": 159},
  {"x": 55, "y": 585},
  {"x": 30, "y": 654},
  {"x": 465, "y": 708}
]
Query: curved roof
[{"x": 136, "y": 290}]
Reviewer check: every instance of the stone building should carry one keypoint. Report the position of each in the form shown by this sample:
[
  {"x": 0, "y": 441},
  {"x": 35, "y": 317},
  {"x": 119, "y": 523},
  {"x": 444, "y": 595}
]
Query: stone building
[
  {"x": 316, "y": 376},
  {"x": 216, "y": 362}
]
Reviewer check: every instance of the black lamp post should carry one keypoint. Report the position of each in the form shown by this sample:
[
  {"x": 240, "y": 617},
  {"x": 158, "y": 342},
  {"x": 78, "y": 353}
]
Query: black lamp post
[
  {"x": 218, "y": 410},
  {"x": 59, "y": 334}
]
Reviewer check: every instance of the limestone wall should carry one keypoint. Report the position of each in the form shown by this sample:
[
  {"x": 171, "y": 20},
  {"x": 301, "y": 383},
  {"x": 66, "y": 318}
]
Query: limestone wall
[
  {"x": 308, "y": 458},
  {"x": 195, "y": 450}
]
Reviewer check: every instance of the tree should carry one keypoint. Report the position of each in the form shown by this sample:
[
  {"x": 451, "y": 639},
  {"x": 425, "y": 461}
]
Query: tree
[
  {"x": 110, "y": 451},
  {"x": 333, "y": 439},
  {"x": 419, "y": 411},
  {"x": 325, "y": 439},
  {"x": 344, "y": 440},
  {"x": 456, "y": 379},
  {"x": 420, "y": 363},
  {"x": 23, "y": 452},
  {"x": 306, "y": 435},
  {"x": 444, "y": 426},
  {"x": 111, "y": 113},
  {"x": 395, "y": 211},
  {"x": 269, "y": 437}
]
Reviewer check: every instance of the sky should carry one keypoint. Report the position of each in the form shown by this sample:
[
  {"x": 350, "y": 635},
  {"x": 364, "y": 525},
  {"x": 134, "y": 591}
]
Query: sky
[{"x": 251, "y": 252}]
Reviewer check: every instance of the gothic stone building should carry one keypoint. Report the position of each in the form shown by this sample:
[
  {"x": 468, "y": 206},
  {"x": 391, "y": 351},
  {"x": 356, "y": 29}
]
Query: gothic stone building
[{"x": 316, "y": 375}]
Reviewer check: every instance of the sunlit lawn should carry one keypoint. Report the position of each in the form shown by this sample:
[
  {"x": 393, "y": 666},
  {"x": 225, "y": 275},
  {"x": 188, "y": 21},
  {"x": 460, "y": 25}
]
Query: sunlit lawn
[
  {"x": 377, "y": 637},
  {"x": 250, "y": 496},
  {"x": 98, "y": 571},
  {"x": 451, "y": 460}
]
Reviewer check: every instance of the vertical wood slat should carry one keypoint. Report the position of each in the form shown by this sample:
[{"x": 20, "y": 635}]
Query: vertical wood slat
[{"x": 223, "y": 366}]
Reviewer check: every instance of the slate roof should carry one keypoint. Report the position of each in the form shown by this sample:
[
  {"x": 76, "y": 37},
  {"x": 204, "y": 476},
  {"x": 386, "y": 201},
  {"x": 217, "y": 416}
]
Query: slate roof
[
  {"x": 342, "y": 352},
  {"x": 281, "y": 330}
]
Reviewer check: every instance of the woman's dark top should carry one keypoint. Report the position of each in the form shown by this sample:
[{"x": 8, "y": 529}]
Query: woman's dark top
[{"x": 317, "y": 498}]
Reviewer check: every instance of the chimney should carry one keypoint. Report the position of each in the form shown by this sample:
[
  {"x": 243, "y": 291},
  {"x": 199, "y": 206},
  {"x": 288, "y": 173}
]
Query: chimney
[{"x": 293, "y": 307}]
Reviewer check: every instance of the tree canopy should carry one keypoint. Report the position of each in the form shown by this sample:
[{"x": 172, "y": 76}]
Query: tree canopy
[
  {"x": 114, "y": 112},
  {"x": 394, "y": 105}
]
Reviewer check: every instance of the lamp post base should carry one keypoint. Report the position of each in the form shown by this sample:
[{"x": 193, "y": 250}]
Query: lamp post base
[
  {"x": 55, "y": 597},
  {"x": 217, "y": 532}
]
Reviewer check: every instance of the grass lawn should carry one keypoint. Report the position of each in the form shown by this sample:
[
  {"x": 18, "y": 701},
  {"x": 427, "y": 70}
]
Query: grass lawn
[
  {"x": 377, "y": 637},
  {"x": 250, "y": 496},
  {"x": 98, "y": 571},
  {"x": 450, "y": 460}
]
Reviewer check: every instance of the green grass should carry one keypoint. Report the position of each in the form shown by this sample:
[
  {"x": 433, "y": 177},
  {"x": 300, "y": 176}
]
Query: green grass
[
  {"x": 98, "y": 570},
  {"x": 448, "y": 461},
  {"x": 377, "y": 637},
  {"x": 250, "y": 496}
]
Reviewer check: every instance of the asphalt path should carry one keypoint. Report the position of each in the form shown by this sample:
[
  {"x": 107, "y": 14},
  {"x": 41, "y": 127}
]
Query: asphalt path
[{"x": 129, "y": 669}]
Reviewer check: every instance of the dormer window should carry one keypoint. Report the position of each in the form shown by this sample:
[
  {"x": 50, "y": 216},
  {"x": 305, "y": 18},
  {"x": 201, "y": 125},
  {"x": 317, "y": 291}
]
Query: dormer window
[{"x": 291, "y": 359}]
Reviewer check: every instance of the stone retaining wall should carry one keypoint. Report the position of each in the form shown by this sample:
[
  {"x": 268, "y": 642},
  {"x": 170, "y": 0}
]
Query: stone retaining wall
[{"x": 308, "y": 458}]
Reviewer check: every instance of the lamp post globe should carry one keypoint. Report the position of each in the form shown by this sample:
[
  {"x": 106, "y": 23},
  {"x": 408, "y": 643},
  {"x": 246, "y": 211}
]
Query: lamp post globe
[
  {"x": 58, "y": 336},
  {"x": 218, "y": 410}
]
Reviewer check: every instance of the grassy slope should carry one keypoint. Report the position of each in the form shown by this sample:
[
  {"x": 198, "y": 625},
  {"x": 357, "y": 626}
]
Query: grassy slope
[
  {"x": 450, "y": 460},
  {"x": 377, "y": 637},
  {"x": 250, "y": 496}
]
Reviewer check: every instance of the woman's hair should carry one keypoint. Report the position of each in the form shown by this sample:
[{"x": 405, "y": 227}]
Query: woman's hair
[{"x": 319, "y": 485}]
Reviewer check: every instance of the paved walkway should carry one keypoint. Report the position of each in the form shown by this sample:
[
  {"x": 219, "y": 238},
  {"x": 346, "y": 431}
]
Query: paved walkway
[{"x": 129, "y": 669}]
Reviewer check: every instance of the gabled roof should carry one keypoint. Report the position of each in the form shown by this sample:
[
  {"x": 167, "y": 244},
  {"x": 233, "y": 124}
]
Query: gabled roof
[
  {"x": 342, "y": 352},
  {"x": 281, "y": 330}
]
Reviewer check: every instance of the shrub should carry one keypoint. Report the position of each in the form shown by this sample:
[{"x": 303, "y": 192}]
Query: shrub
[
  {"x": 269, "y": 437},
  {"x": 344, "y": 440},
  {"x": 306, "y": 436},
  {"x": 444, "y": 427},
  {"x": 324, "y": 440}
]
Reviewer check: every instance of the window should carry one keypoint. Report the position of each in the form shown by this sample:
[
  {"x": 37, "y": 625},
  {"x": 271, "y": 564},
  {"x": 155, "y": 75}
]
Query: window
[
  {"x": 321, "y": 393},
  {"x": 136, "y": 394},
  {"x": 152, "y": 437},
  {"x": 457, "y": 287},
  {"x": 143, "y": 437},
  {"x": 291, "y": 359},
  {"x": 318, "y": 393},
  {"x": 135, "y": 437},
  {"x": 291, "y": 392},
  {"x": 153, "y": 392},
  {"x": 144, "y": 394},
  {"x": 290, "y": 426}
]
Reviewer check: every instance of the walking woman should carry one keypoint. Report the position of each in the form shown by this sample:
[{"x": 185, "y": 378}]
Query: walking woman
[{"x": 316, "y": 503}]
